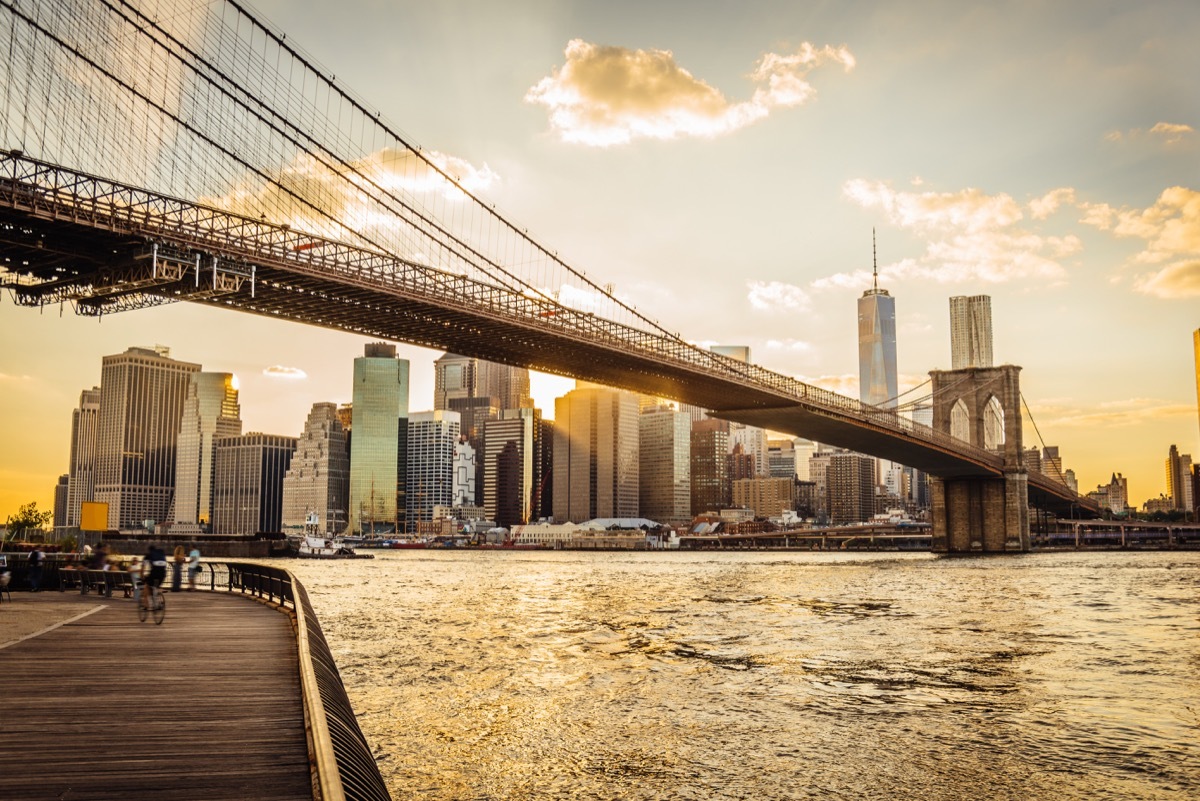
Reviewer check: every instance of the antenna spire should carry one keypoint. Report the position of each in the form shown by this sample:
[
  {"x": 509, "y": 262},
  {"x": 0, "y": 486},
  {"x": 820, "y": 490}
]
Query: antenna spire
[{"x": 874, "y": 260}]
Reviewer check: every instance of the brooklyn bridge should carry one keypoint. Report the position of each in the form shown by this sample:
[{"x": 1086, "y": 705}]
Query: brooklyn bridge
[{"x": 198, "y": 156}]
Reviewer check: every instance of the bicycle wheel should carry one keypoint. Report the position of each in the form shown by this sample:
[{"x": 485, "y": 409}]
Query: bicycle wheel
[
  {"x": 160, "y": 608},
  {"x": 142, "y": 610}
]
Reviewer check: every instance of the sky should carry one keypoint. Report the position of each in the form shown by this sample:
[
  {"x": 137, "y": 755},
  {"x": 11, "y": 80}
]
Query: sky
[{"x": 724, "y": 166}]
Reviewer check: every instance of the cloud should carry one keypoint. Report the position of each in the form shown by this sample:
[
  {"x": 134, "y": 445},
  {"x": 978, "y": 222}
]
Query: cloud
[
  {"x": 793, "y": 345},
  {"x": 1042, "y": 207},
  {"x": 1169, "y": 133},
  {"x": 604, "y": 95},
  {"x": 344, "y": 194},
  {"x": 1171, "y": 231},
  {"x": 777, "y": 296},
  {"x": 1178, "y": 280},
  {"x": 841, "y": 384},
  {"x": 971, "y": 236},
  {"x": 279, "y": 371},
  {"x": 1112, "y": 414}
]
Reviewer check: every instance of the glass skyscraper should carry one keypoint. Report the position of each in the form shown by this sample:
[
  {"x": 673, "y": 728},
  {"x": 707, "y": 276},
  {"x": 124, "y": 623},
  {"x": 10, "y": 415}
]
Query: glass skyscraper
[
  {"x": 664, "y": 466},
  {"x": 877, "y": 345},
  {"x": 595, "y": 455},
  {"x": 378, "y": 447}
]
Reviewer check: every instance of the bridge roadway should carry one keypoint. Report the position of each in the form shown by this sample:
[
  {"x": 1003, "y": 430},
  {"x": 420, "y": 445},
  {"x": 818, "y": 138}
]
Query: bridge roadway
[
  {"x": 206, "y": 705},
  {"x": 70, "y": 237}
]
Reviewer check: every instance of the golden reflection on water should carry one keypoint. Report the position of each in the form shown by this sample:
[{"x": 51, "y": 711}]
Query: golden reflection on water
[{"x": 562, "y": 675}]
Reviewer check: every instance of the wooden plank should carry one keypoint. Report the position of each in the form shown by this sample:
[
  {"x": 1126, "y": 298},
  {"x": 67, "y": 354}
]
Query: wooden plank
[{"x": 207, "y": 705}]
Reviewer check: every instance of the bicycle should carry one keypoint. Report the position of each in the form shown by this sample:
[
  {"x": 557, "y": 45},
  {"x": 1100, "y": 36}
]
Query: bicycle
[{"x": 153, "y": 600}]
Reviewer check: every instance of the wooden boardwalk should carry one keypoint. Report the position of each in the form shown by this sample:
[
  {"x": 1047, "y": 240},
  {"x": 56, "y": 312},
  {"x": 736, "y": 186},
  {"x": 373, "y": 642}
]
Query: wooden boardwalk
[{"x": 207, "y": 705}]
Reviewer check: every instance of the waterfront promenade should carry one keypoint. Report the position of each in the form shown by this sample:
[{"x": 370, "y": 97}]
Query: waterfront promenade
[{"x": 97, "y": 705}]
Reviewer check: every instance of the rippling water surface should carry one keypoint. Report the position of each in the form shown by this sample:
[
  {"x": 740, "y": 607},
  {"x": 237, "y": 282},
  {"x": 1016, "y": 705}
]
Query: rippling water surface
[{"x": 566, "y": 675}]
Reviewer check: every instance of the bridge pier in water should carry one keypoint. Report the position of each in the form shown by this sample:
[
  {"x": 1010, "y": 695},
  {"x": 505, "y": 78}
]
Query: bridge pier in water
[{"x": 981, "y": 514}]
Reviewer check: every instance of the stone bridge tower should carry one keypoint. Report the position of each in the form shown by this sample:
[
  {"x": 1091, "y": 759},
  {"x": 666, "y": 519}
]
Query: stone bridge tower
[{"x": 981, "y": 514}]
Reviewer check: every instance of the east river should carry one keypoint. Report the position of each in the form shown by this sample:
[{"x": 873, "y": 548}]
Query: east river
[{"x": 759, "y": 675}]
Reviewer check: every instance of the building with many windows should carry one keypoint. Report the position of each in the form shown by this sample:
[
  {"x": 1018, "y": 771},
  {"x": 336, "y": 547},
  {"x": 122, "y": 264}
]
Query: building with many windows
[
  {"x": 970, "y": 332},
  {"x": 317, "y": 482},
  {"x": 210, "y": 412},
  {"x": 511, "y": 469},
  {"x": 379, "y": 442},
  {"x": 850, "y": 480},
  {"x": 432, "y": 437},
  {"x": 142, "y": 394},
  {"x": 248, "y": 483},
  {"x": 81, "y": 472},
  {"x": 664, "y": 465},
  {"x": 710, "y": 466},
  {"x": 767, "y": 497},
  {"x": 1179, "y": 480},
  {"x": 595, "y": 454}
]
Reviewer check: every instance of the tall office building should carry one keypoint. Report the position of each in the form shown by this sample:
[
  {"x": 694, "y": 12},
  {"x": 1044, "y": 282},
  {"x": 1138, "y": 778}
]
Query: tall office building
[
  {"x": 970, "y": 332},
  {"x": 467, "y": 377},
  {"x": 59, "y": 519},
  {"x": 142, "y": 393},
  {"x": 595, "y": 454},
  {"x": 877, "y": 343},
  {"x": 753, "y": 442},
  {"x": 81, "y": 472},
  {"x": 767, "y": 497},
  {"x": 1179, "y": 480},
  {"x": 710, "y": 466},
  {"x": 664, "y": 465},
  {"x": 378, "y": 445},
  {"x": 431, "y": 440},
  {"x": 510, "y": 465},
  {"x": 248, "y": 483},
  {"x": 850, "y": 484},
  {"x": 210, "y": 412},
  {"x": 318, "y": 479}
]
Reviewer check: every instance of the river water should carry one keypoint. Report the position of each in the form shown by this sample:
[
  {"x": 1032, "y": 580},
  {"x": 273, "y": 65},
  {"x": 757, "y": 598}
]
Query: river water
[{"x": 757, "y": 675}]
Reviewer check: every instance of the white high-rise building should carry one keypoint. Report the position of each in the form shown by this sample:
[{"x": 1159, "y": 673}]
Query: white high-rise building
[
  {"x": 432, "y": 437},
  {"x": 970, "y": 332},
  {"x": 210, "y": 412},
  {"x": 464, "y": 472},
  {"x": 81, "y": 473},
  {"x": 753, "y": 441},
  {"x": 377, "y": 445},
  {"x": 318, "y": 479}
]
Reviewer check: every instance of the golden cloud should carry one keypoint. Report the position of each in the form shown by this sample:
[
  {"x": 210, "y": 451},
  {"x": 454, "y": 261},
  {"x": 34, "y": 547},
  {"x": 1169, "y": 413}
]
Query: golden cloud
[
  {"x": 605, "y": 95},
  {"x": 1171, "y": 230},
  {"x": 1114, "y": 414},
  {"x": 971, "y": 236},
  {"x": 307, "y": 182}
]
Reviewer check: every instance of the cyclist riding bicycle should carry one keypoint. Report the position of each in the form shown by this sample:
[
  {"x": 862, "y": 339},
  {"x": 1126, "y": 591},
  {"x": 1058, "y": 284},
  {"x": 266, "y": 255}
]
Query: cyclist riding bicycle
[{"x": 154, "y": 573}]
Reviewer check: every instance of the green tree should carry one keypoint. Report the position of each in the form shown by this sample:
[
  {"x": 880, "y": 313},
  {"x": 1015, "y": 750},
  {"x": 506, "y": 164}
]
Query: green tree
[{"x": 27, "y": 517}]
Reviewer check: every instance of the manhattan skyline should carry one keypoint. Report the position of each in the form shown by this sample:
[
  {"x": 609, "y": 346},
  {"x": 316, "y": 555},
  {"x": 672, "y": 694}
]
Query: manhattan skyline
[{"x": 723, "y": 168}]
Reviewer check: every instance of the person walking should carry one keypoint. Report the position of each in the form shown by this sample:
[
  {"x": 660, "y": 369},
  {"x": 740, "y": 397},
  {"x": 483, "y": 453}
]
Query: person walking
[
  {"x": 193, "y": 567},
  {"x": 177, "y": 569},
  {"x": 36, "y": 558}
]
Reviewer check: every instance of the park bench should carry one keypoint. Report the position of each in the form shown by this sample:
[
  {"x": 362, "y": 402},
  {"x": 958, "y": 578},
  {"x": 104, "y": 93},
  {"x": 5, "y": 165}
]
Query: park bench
[{"x": 105, "y": 582}]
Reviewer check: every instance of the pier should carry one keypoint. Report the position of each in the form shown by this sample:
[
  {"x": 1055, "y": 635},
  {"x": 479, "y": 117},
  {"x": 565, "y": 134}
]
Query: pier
[{"x": 234, "y": 696}]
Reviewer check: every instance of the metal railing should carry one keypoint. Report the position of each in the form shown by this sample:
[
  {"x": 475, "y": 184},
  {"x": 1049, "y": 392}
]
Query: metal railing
[{"x": 345, "y": 766}]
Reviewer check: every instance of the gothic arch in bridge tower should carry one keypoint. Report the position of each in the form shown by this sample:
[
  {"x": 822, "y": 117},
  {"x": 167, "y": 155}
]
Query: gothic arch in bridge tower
[{"x": 973, "y": 514}]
